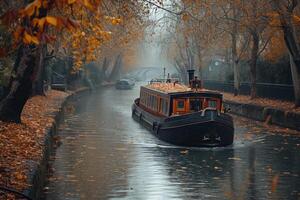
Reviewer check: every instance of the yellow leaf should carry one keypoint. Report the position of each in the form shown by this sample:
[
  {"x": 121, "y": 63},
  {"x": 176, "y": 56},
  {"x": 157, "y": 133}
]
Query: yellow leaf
[
  {"x": 41, "y": 22},
  {"x": 274, "y": 183},
  {"x": 45, "y": 4},
  {"x": 71, "y": 1},
  {"x": 35, "y": 21},
  {"x": 115, "y": 21},
  {"x": 35, "y": 40},
  {"x": 296, "y": 18},
  {"x": 185, "y": 17},
  {"x": 27, "y": 38},
  {"x": 29, "y": 10},
  {"x": 88, "y": 5},
  {"x": 275, "y": 22},
  {"x": 19, "y": 31},
  {"x": 38, "y": 3},
  {"x": 51, "y": 20},
  {"x": 32, "y": 7}
]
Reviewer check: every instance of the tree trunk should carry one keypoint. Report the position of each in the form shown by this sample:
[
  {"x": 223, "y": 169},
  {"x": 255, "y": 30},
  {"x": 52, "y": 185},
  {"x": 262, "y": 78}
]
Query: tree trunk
[
  {"x": 253, "y": 63},
  {"x": 294, "y": 50},
  {"x": 291, "y": 41},
  {"x": 116, "y": 68},
  {"x": 296, "y": 80},
  {"x": 38, "y": 77},
  {"x": 236, "y": 73},
  {"x": 20, "y": 86},
  {"x": 182, "y": 71},
  {"x": 200, "y": 68},
  {"x": 104, "y": 68}
]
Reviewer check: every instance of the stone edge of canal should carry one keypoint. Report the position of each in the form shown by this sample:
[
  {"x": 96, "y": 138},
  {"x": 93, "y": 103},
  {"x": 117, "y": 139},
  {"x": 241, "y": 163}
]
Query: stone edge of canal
[
  {"x": 38, "y": 176},
  {"x": 267, "y": 114}
]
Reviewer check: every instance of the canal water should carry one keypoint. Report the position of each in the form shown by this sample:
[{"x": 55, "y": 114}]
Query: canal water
[{"x": 104, "y": 154}]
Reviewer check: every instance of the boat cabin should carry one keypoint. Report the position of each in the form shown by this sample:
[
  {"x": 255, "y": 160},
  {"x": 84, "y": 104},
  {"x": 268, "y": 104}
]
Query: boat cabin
[{"x": 171, "y": 99}]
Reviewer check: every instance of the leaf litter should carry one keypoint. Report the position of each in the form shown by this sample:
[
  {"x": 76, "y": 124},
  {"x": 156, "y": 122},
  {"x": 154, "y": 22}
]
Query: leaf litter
[{"x": 21, "y": 145}]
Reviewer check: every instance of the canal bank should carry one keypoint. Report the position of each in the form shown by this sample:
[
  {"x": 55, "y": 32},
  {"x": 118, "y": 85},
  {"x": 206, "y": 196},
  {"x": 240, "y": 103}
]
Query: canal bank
[
  {"x": 281, "y": 113},
  {"x": 38, "y": 175},
  {"x": 25, "y": 148}
]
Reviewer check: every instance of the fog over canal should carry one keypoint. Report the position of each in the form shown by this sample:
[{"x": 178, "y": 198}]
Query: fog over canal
[{"x": 105, "y": 154}]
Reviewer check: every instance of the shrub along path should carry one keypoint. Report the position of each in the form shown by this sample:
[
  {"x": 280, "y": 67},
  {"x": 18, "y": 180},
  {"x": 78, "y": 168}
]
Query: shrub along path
[{"x": 22, "y": 144}]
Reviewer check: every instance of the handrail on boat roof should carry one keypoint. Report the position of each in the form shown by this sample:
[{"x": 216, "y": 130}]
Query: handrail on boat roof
[{"x": 164, "y": 80}]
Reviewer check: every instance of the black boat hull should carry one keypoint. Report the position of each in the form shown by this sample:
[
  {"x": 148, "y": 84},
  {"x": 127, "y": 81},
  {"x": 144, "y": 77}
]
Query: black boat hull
[{"x": 207, "y": 128}]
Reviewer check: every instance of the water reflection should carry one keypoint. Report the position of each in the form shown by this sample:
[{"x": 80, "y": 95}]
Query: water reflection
[{"x": 107, "y": 155}]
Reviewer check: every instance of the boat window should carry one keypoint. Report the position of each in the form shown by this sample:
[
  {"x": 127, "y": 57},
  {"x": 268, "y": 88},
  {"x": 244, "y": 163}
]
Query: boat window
[
  {"x": 212, "y": 104},
  {"x": 154, "y": 106},
  {"x": 123, "y": 83},
  {"x": 151, "y": 101},
  {"x": 180, "y": 105},
  {"x": 145, "y": 99},
  {"x": 195, "y": 105},
  {"x": 148, "y": 100},
  {"x": 165, "y": 106},
  {"x": 142, "y": 97},
  {"x": 160, "y": 105}
]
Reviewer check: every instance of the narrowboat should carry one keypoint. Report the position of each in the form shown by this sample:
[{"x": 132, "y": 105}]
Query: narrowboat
[
  {"x": 125, "y": 84},
  {"x": 184, "y": 116}
]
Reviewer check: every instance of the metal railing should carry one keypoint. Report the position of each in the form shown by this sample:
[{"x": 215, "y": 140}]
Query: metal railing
[
  {"x": 265, "y": 90},
  {"x": 166, "y": 80},
  {"x": 58, "y": 81}
]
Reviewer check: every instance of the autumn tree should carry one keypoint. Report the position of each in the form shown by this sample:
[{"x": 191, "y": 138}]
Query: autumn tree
[
  {"x": 251, "y": 30},
  {"x": 208, "y": 30},
  {"x": 246, "y": 24},
  {"x": 228, "y": 15},
  {"x": 80, "y": 27},
  {"x": 123, "y": 47},
  {"x": 256, "y": 25},
  {"x": 194, "y": 45},
  {"x": 25, "y": 23},
  {"x": 286, "y": 13},
  {"x": 238, "y": 25}
]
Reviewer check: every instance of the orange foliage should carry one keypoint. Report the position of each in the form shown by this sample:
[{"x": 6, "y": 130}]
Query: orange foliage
[
  {"x": 276, "y": 47},
  {"x": 209, "y": 26},
  {"x": 87, "y": 21}
]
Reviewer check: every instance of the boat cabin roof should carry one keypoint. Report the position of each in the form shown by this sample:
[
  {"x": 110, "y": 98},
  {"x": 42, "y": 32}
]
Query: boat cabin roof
[{"x": 179, "y": 90}]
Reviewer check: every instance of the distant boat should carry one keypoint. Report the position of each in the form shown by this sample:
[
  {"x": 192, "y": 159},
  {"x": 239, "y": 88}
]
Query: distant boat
[
  {"x": 184, "y": 116},
  {"x": 124, "y": 84}
]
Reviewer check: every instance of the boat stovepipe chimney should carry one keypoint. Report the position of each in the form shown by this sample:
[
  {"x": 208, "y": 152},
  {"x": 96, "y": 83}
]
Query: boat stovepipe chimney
[{"x": 191, "y": 73}]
